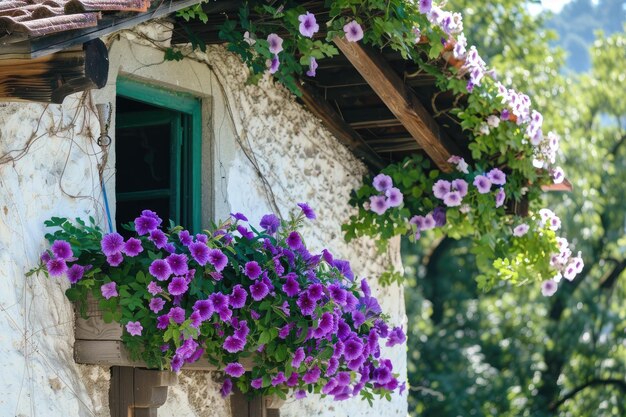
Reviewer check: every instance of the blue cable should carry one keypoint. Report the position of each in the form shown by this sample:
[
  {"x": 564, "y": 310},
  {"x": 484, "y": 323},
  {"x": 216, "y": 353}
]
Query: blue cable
[{"x": 106, "y": 207}]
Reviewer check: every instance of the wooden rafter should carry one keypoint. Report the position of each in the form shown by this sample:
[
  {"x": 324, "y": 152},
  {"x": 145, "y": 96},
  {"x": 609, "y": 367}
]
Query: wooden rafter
[{"x": 402, "y": 102}]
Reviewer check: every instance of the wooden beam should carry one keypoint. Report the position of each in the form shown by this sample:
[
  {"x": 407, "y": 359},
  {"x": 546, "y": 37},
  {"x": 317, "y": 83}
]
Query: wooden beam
[
  {"x": 339, "y": 128},
  {"x": 402, "y": 102},
  {"x": 138, "y": 392},
  {"x": 51, "y": 78},
  {"x": 564, "y": 186}
]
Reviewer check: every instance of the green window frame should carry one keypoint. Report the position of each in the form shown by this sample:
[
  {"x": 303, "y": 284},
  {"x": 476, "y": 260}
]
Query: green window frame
[{"x": 183, "y": 113}]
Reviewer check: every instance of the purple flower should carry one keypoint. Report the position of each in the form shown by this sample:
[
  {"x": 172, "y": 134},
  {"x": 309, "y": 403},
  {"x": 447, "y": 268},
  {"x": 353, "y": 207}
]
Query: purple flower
[
  {"x": 177, "y": 263},
  {"x": 461, "y": 186},
  {"x": 325, "y": 324},
  {"x": 308, "y": 25},
  {"x": 227, "y": 388},
  {"x": 315, "y": 292},
  {"x": 218, "y": 259},
  {"x": 312, "y": 67},
  {"x": 520, "y": 230},
  {"x": 333, "y": 365},
  {"x": 275, "y": 43},
  {"x": 252, "y": 270},
  {"x": 482, "y": 183},
  {"x": 311, "y": 376},
  {"x": 233, "y": 344},
  {"x": 163, "y": 321},
  {"x": 177, "y": 314},
  {"x": 500, "y": 196},
  {"x": 353, "y": 31},
  {"x": 109, "y": 290},
  {"x": 300, "y": 394},
  {"x": 134, "y": 328},
  {"x": 307, "y": 306},
  {"x": 234, "y": 369},
  {"x": 439, "y": 216},
  {"x": 294, "y": 241},
  {"x": 425, "y": 6},
  {"x": 158, "y": 238},
  {"x": 291, "y": 287},
  {"x": 256, "y": 383},
  {"x": 273, "y": 64},
  {"x": 156, "y": 304},
  {"x": 441, "y": 188},
  {"x": 45, "y": 257},
  {"x": 284, "y": 331},
  {"x": 307, "y": 211},
  {"x": 160, "y": 269},
  {"x": 259, "y": 290},
  {"x": 204, "y": 308},
  {"x": 219, "y": 300},
  {"x": 452, "y": 199},
  {"x": 237, "y": 298},
  {"x": 185, "y": 237},
  {"x": 298, "y": 357},
  {"x": 200, "y": 252},
  {"x": 178, "y": 286},
  {"x": 112, "y": 244},
  {"x": 239, "y": 216},
  {"x": 115, "y": 259},
  {"x": 548, "y": 288},
  {"x": 153, "y": 288},
  {"x": 382, "y": 182},
  {"x": 496, "y": 177},
  {"x": 396, "y": 337},
  {"x": 244, "y": 232},
  {"x": 132, "y": 247},
  {"x": 146, "y": 224},
  {"x": 75, "y": 273},
  {"x": 394, "y": 197},
  {"x": 270, "y": 223},
  {"x": 278, "y": 379},
  {"x": 378, "y": 204},
  {"x": 61, "y": 249},
  {"x": 353, "y": 349}
]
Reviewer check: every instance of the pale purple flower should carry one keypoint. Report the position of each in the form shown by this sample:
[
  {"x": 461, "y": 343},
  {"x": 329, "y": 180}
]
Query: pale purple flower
[
  {"x": 275, "y": 43},
  {"x": 109, "y": 290},
  {"x": 160, "y": 269},
  {"x": 418, "y": 221},
  {"x": 548, "y": 288},
  {"x": 497, "y": 177},
  {"x": 178, "y": 286},
  {"x": 273, "y": 64},
  {"x": 570, "y": 272},
  {"x": 156, "y": 304},
  {"x": 378, "y": 204},
  {"x": 353, "y": 31},
  {"x": 61, "y": 249},
  {"x": 307, "y": 211},
  {"x": 217, "y": 259},
  {"x": 132, "y": 247},
  {"x": 460, "y": 163},
  {"x": 177, "y": 314},
  {"x": 441, "y": 188},
  {"x": 134, "y": 328},
  {"x": 482, "y": 183},
  {"x": 500, "y": 196},
  {"x": 394, "y": 197},
  {"x": 520, "y": 230},
  {"x": 153, "y": 288},
  {"x": 382, "y": 182},
  {"x": 112, "y": 243},
  {"x": 425, "y": 6},
  {"x": 312, "y": 67},
  {"x": 452, "y": 199},
  {"x": 75, "y": 273},
  {"x": 558, "y": 176},
  {"x": 234, "y": 369},
  {"x": 493, "y": 121},
  {"x": 460, "y": 186},
  {"x": 308, "y": 25}
]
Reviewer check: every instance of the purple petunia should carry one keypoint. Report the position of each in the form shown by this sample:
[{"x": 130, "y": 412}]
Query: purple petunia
[
  {"x": 185, "y": 237},
  {"x": 497, "y": 177},
  {"x": 500, "y": 196},
  {"x": 307, "y": 306},
  {"x": 163, "y": 321},
  {"x": 112, "y": 243},
  {"x": 308, "y": 25},
  {"x": 227, "y": 388},
  {"x": 218, "y": 259},
  {"x": 379, "y": 204},
  {"x": 237, "y": 298},
  {"x": 158, "y": 238},
  {"x": 153, "y": 288},
  {"x": 441, "y": 188},
  {"x": 204, "y": 308},
  {"x": 259, "y": 290},
  {"x": 278, "y": 379},
  {"x": 219, "y": 300},
  {"x": 520, "y": 230},
  {"x": 146, "y": 224},
  {"x": 115, "y": 259},
  {"x": 382, "y": 182},
  {"x": 353, "y": 349},
  {"x": 307, "y": 211},
  {"x": 177, "y": 263},
  {"x": 178, "y": 286},
  {"x": 75, "y": 273},
  {"x": 294, "y": 241},
  {"x": 461, "y": 186},
  {"x": 548, "y": 288},
  {"x": 134, "y": 328},
  {"x": 482, "y": 183},
  {"x": 275, "y": 43},
  {"x": 256, "y": 383},
  {"x": 177, "y": 314},
  {"x": 56, "y": 267},
  {"x": 160, "y": 269},
  {"x": 425, "y": 6},
  {"x": 312, "y": 375},
  {"x": 234, "y": 369},
  {"x": 353, "y": 31},
  {"x": 273, "y": 64},
  {"x": 200, "y": 252},
  {"x": 452, "y": 199},
  {"x": 233, "y": 344},
  {"x": 270, "y": 223},
  {"x": 61, "y": 249},
  {"x": 252, "y": 270},
  {"x": 109, "y": 290},
  {"x": 291, "y": 287},
  {"x": 300, "y": 394},
  {"x": 156, "y": 304},
  {"x": 298, "y": 357},
  {"x": 132, "y": 247},
  {"x": 396, "y": 337},
  {"x": 311, "y": 72},
  {"x": 394, "y": 197}
]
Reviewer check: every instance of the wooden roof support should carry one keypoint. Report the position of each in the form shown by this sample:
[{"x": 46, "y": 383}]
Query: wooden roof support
[
  {"x": 402, "y": 102},
  {"x": 338, "y": 127}
]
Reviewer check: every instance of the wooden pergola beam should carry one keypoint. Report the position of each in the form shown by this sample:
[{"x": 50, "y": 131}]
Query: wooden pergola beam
[{"x": 402, "y": 102}]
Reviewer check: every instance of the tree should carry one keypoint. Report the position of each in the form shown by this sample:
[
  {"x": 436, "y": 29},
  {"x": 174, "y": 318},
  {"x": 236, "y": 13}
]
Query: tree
[{"x": 513, "y": 352}]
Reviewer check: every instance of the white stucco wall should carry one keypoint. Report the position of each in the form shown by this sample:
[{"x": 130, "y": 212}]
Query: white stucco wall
[{"x": 58, "y": 175}]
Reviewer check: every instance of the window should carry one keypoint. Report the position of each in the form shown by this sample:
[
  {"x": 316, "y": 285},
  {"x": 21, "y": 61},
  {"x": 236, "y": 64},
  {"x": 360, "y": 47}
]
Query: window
[{"x": 158, "y": 135}]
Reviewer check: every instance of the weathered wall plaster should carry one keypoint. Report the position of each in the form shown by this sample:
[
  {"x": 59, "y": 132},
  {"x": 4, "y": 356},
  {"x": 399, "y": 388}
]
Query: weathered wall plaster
[{"x": 249, "y": 132}]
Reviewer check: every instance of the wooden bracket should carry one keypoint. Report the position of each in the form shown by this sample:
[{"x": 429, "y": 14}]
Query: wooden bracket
[
  {"x": 136, "y": 392},
  {"x": 242, "y": 406}
]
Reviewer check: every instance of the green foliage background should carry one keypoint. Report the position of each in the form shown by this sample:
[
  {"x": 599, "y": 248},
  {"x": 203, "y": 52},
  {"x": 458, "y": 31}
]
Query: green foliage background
[{"x": 512, "y": 352}]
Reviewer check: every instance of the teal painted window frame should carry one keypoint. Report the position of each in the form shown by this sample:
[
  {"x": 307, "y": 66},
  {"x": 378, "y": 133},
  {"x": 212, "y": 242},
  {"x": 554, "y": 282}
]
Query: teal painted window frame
[{"x": 190, "y": 156}]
